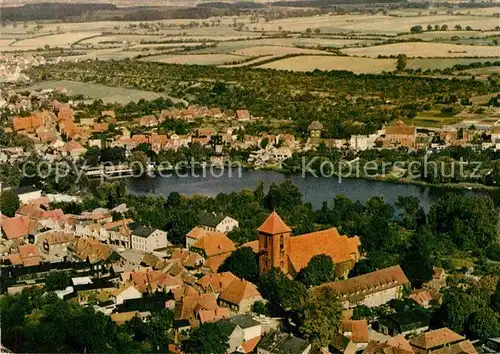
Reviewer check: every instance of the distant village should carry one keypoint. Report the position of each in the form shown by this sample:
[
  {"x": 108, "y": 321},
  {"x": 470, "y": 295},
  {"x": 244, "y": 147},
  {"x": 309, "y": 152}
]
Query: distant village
[{"x": 57, "y": 132}]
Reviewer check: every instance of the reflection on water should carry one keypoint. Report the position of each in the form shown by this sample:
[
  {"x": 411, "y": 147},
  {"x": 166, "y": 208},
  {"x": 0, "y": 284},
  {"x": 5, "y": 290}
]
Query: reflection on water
[{"x": 315, "y": 190}]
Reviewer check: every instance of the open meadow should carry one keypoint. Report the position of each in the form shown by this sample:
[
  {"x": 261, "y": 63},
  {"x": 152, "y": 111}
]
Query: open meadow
[
  {"x": 107, "y": 93},
  {"x": 426, "y": 50},
  {"x": 310, "y": 63}
]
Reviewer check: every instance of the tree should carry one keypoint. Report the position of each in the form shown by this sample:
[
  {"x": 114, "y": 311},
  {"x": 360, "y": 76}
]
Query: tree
[
  {"x": 321, "y": 316},
  {"x": 416, "y": 29},
  {"x": 243, "y": 263},
  {"x": 206, "y": 339},
  {"x": 444, "y": 28},
  {"x": 458, "y": 27},
  {"x": 280, "y": 290},
  {"x": 9, "y": 202},
  {"x": 402, "y": 62},
  {"x": 308, "y": 30},
  {"x": 57, "y": 281},
  {"x": 436, "y": 27},
  {"x": 139, "y": 162},
  {"x": 410, "y": 214},
  {"x": 464, "y": 221},
  {"x": 456, "y": 310},
  {"x": 320, "y": 269},
  {"x": 468, "y": 28},
  {"x": 484, "y": 324},
  {"x": 317, "y": 31},
  {"x": 429, "y": 27}
]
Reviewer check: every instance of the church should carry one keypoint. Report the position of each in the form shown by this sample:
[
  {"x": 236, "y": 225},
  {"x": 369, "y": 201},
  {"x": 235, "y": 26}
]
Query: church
[{"x": 277, "y": 248}]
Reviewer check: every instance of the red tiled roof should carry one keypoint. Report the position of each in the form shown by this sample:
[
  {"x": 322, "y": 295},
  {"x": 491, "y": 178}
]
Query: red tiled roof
[
  {"x": 464, "y": 347},
  {"x": 329, "y": 242},
  {"x": 254, "y": 245},
  {"x": 436, "y": 338},
  {"x": 29, "y": 254},
  {"x": 213, "y": 315},
  {"x": 217, "y": 282},
  {"x": 17, "y": 227},
  {"x": 400, "y": 342},
  {"x": 238, "y": 290},
  {"x": 249, "y": 345},
  {"x": 358, "y": 329},
  {"x": 274, "y": 225},
  {"x": 215, "y": 244},
  {"x": 369, "y": 283},
  {"x": 214, "y": 263}
]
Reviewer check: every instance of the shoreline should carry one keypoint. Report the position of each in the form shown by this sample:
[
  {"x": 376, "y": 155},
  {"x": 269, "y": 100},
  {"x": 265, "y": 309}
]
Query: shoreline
[{"x": 384, "y": 179}]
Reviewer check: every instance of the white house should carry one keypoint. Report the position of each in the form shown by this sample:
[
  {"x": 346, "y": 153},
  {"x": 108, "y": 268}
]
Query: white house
[
  {"x": 126, "y": 293},
  {"x": 217, "y": 223},
  {"x": 27, "y": 194},
  {"x": 148, "y": 239}
]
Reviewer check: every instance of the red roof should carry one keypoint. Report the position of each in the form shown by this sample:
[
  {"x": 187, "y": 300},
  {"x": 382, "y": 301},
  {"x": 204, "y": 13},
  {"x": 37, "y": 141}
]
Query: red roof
[
  {"x": 358, "y": 330},
  {"x": 17, "y": 227},
  {"x": 274, "y": 225},
  {"x": 249, "y": 345},
  {"x": 239, "y": 290},
  {"x": 215, "y": 244}
]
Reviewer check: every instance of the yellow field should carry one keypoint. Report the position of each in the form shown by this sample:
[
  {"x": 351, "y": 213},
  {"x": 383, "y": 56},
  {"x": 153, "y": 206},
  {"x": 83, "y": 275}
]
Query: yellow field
[
  {"x": 64, "y": 40},
  {"x": 377, "y": 23},
  {"x": 427, "y": 36},
  {"x": 309, "y": 63},
  {"x": 426, "y": 50},
  {"x": 196, "y": 59},
  {"x": 275, "y": 51}
]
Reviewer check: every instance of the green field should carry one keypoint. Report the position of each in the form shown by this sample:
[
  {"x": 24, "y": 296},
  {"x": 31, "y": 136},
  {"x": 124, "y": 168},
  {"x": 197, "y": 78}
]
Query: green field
[
  {"x": 106, "y": 93},
  {"x": 441, "y": 64},
  {"x": 432, "y": 119}
]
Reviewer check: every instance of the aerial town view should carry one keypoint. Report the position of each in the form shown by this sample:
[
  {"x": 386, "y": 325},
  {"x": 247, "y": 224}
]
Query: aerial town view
[{"x": 254, "y": 176}]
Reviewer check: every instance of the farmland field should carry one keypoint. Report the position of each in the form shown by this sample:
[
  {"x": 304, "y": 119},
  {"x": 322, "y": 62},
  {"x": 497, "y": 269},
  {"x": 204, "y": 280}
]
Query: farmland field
[
  {"x": 440, "y": 64},
  {"x": 433, "y": 35},
  {"x": 197, "y": 59},
  {"x": 426, "y": 50},
  {"x": 64, "y": 40},
  {"x": 106, "y": 93},
  {"x": 309, "y": 63},
  {"x": 432, "y": 119},
  {"x": 377, "y": 23},
  {"x": 276, "y": 51}
]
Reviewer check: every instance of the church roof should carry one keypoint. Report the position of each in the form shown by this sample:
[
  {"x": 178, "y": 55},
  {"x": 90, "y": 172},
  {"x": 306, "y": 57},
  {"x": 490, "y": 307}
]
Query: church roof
[
  {"x": 274, "y": 225},
  {"x": 329, "y": 242}
]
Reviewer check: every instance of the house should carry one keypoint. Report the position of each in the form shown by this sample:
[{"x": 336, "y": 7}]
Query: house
[
  {"x": 214, "y": 283},
  {"x": 210, "y": 244},
  {"x": 29, "y": 255},
  {"x": 121, "y": 317},
  {"x": 464, "y": 347},
  {"x": 371, "y": 289},
  {"x": 239, "y": 296},
  {"x": 148, "y": 239},
  {"x": 17, "y": 227},
  {"x": 425, "y": 297},
  {"x": 400, "y": 135},
  {"x": 217, "y": 314},
  {"x": 126, "y": 293},
  {"x": 429, "y": 342},
  {"x": 244, "y": 333},
  {"x": 242, "y": 115},
  {"x": 89, "y": 249},
  {"x": 438, "y": 280},
  {"x": 278, "y": 249},
  {"x": 74, "y": 149},
  {"x": 54, "y": 244},
  {"x": 217, "y": 223},
  {"x": 357, "y": 332},
  {"x": 410, "y": 322},
  {"x": 28, "y": 193},
  {"x": 276, "y": 342},
  {"x": 495, "y": 134},
  {"x": 315, "y": 129},
  {"x": 398, "y": 344}
]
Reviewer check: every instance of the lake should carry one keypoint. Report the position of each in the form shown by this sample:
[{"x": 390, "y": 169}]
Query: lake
[{"x": 315, "y": 189}]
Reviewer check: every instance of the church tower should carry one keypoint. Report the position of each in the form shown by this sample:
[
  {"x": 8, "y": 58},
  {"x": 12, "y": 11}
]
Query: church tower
[{"x": 274, "y": 244}]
